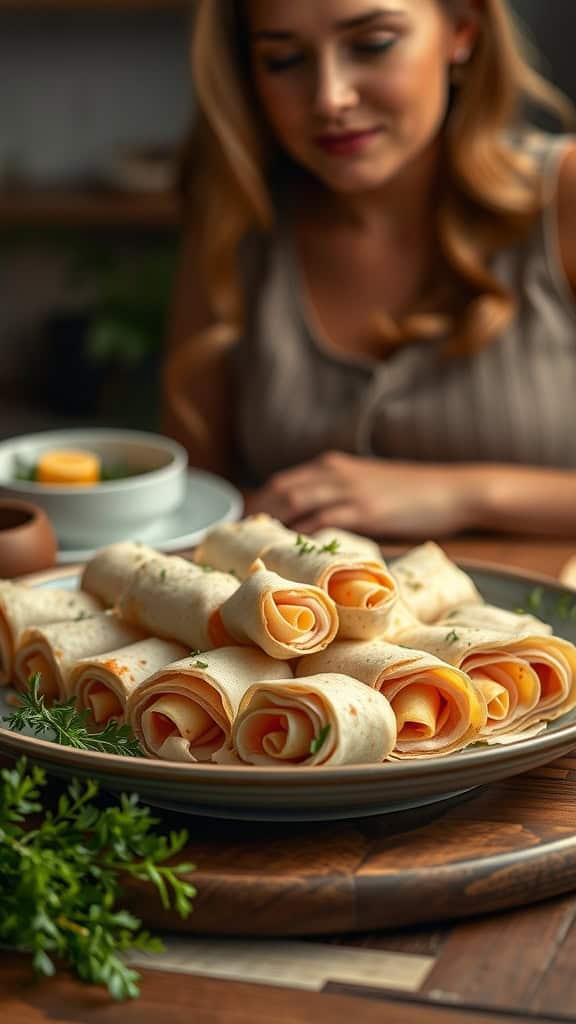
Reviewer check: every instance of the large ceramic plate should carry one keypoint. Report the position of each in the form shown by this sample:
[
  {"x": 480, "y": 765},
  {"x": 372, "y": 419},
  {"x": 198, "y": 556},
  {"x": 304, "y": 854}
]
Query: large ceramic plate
[{"x": 299, "y": 794}]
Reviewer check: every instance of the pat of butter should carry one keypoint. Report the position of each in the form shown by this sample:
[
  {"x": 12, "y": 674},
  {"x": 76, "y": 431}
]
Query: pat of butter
[{"x": 68, "y": 467}]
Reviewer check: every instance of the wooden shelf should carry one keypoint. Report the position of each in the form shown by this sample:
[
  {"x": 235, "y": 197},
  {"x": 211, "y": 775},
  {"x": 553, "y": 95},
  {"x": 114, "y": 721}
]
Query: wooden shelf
[
  {"x": 94, "y": 5},
  {"x": 52, "y": 209}
]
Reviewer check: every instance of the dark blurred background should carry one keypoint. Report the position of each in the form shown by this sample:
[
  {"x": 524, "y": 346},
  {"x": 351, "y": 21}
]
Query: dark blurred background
[{"x": 95, "y": 99}]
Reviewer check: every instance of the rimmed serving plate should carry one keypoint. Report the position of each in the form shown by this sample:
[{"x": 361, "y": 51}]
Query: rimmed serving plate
[{"x": 301, "y": 794}]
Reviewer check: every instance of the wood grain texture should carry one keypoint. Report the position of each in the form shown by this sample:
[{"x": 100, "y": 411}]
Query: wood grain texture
[
  {"x": 166, "y": 1000},
  {"x": 508, "y": 845}
]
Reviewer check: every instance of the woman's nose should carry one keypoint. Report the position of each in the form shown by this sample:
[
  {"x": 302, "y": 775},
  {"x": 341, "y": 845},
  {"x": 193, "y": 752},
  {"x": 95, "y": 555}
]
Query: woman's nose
[{"x": 334, "y": 89}]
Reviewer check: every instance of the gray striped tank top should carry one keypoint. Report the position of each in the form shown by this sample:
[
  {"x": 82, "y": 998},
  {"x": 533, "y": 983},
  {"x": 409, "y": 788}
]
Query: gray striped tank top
[{"x": 297, "y": 396}]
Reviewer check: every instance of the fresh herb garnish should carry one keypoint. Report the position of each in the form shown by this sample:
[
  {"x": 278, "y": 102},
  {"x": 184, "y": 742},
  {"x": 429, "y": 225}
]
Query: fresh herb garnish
[
  {"x": 565, "y": 607},
  {"x": 61, "y": 875},
  {"x": 162, "y": 575},
  {"x": 65, "y": 724},
  {"x": 200, "y": 664},
  {"x": 318, "y": 740},
  {"x": 452, "y": 637},
  {"x": 305, "y": 547},
  {"x": 534, "y": 599},
  {"x": 24, "y": 470},
  {"x": 332, "y": 547}
]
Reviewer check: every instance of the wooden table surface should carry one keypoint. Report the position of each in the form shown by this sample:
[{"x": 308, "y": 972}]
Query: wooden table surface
[{"x": 518, "y": 965}]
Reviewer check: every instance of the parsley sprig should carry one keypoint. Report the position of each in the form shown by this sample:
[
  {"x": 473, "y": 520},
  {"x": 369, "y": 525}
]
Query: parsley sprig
[
  {"x": 60, "y": 878},
  {"x": 306, "y": 547},
  {"x": 65, "y": 724}
]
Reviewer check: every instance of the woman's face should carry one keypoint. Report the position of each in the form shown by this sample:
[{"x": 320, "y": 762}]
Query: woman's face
[{"x": 354, "y": 90}]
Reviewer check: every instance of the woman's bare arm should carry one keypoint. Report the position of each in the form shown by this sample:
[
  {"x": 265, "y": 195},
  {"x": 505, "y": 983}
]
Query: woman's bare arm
[{"x": 196, "y": 387}]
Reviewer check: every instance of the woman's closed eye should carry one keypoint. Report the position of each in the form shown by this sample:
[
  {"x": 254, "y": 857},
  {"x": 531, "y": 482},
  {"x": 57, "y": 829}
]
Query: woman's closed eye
[
  {"x": 275, "y": 64},
  {"x": 365, "y": 49},
  {"x": 374, "y": 47}
]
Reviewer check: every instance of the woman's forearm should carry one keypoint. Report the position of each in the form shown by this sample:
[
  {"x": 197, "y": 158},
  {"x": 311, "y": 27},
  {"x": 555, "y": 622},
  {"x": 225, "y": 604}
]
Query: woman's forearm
[{"x": 523, "y": 499}]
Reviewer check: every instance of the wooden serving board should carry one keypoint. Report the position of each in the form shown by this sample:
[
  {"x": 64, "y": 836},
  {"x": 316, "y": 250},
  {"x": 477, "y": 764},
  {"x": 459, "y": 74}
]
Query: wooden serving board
[{"x": 502, "y": 846}]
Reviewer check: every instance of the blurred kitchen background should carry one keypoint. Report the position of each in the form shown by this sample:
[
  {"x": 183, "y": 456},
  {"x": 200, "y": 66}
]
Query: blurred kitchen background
[{"x": 95, "y": 98}]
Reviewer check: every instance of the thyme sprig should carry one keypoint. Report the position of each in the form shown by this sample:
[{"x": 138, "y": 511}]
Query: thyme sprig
[{"x": 65, "y": 724}]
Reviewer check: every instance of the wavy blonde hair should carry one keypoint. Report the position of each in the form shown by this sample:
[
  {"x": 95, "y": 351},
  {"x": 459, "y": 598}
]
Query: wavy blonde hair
[{"x": 491, "y": 190}]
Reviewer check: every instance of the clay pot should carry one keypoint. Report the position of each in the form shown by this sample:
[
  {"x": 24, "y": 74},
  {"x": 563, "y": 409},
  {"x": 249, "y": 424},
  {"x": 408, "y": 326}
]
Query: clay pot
[{"x": 27, "y": 539}]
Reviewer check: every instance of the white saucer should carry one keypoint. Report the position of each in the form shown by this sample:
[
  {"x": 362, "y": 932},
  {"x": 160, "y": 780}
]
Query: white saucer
[{"x": 209, "y": 500}]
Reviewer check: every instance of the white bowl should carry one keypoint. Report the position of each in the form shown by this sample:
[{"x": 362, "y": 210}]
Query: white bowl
[{"x": 122, "y": 509}]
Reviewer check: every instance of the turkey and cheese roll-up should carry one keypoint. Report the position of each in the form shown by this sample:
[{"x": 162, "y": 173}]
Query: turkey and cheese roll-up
[
  {"x": 431, "y": 584},
  {"x": 22, "y": 606},
  {"x": 176, "y": 600},
  {"x": 283, "y": 618},
  {"x": 185, "y": 711},
  {"x": 489, "y": 616},
  {"x": 526, "y": 679},
  {"x": 346, "y": 540},
  {"x": 363, "y": 590},
  {"x": 436, "y": 706},
  {"x": 103, "y": 682},
  {"x": 107, "y": 573},
  {"x": 52, "y": 650},
  {"x": 233, "y": 547},
  {"x": 327, "y": 718}
]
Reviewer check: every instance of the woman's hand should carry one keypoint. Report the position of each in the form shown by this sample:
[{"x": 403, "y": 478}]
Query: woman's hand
[{"x": 369, "y": 496}]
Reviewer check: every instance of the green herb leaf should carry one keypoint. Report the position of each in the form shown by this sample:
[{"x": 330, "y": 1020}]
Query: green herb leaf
[
  {"x": 332, "y": 547},
  {"x": 318, "y": 740},
  {"x": 201, "y": 664},
  {"x": 452, "y": 637},
  {"x": 534, "y": 599},
  {"x": 565, "y": 607},
  {"x": 304, "y": 546},
  {"x": 61, "y": 873},
  {"x": 63, "y": 723},
  {"x": 24, "y": 470}
]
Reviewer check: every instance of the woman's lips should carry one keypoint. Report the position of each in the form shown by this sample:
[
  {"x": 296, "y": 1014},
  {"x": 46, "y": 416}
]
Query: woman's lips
[{"x": 346, "y": 142}]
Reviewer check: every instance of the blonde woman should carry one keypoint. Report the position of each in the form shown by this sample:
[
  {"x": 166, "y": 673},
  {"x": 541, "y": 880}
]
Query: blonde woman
[{"x": 375, "y": 324}]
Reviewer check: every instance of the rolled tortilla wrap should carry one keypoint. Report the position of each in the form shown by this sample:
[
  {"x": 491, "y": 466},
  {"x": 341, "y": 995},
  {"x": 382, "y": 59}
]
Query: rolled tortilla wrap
[
  {"x": 283, "y": 618},
  {"x": 489, "y": 616},
  {"x": 185, "y": 711},
  {"x": 431, "y": 584},
  {"x": 106, "y": 574},
  {"x": 526, "y": 679},
  {"x": 346, "y": 540},
  {"x": 436, "y": 706},
  {"x": 52, "y": 650},
  {"x": 364, "y": 591},
  {"x": 233, "y": 547},
  {"x": 103, "y": 682},
  {"x": 177, "y": 601},
  {"x": 22, "y": 606},
  {"x": 322, "y": 719}
]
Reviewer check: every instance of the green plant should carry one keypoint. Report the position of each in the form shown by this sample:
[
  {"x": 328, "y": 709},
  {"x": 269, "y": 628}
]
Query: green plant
[
  {"x": 131, "y": 300},
  {"x": 61, "y": 873}
]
